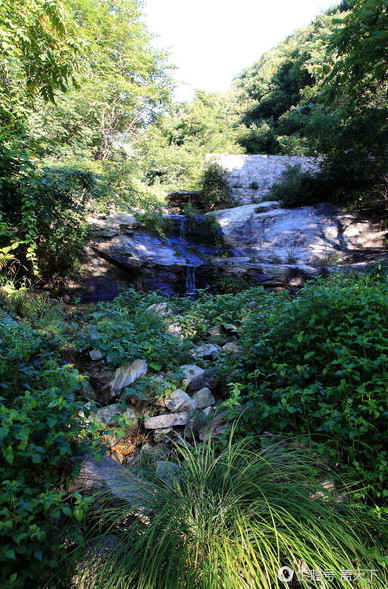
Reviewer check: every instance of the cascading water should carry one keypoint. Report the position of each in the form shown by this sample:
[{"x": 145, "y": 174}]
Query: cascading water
[
  {"x": 182, "y": 228},
  {"x": 190, "y": 286}
]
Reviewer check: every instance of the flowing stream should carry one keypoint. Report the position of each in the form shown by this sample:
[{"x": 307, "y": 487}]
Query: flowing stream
[{"x": 190, "y": 285}]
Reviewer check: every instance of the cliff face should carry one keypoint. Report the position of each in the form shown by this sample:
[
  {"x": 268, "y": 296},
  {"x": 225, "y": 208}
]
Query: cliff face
[{"x": 252, "y": 176}]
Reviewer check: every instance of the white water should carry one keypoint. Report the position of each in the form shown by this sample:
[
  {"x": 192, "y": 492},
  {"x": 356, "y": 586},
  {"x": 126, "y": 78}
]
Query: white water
[{"x": 190, "y": 286}]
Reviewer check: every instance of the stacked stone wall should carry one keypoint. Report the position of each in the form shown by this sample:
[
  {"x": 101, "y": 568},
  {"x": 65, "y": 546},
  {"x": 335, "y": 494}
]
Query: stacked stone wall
[{"x": 252, "y": 176}]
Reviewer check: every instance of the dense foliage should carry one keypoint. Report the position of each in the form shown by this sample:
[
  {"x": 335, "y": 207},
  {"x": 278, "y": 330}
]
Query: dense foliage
[{"x": 41, "y": 434}]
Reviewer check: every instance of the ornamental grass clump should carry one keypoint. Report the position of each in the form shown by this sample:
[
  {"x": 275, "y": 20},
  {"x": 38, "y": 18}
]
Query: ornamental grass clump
[{"x": 231, "y": 520}]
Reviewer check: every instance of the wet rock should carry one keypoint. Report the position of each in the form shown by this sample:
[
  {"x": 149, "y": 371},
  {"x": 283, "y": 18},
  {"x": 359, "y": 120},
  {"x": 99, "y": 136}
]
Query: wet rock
[
  {"x": 206, "y": 351},
  {"x": 166, "y": 420},
  {"x": 126, "y": 375},
  {"x": 180, "y": 401},
  {"x": 190, "y": 371},
  {"x": 204, "y": 398},
  {"x": 206, "y": 379}
]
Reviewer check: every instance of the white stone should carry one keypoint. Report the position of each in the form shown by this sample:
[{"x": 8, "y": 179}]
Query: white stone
[
  {"x": 127, "y": 374},
  {"x": 160, "y": 309},
  {"x": 166, "y": 420},
  {"x": 190, "y": 371},
  {"x": 251, "y": 176},
  {"x": 180, "y": 401},
  {"x": 204, "y": 398},
  {"x": 175, "y": 330}
]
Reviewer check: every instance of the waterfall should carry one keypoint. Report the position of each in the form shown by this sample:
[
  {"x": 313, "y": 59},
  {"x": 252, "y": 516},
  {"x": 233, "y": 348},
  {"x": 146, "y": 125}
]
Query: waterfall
[
  {"x": 190, "y": 287},
  {"x": 182, "y": 228}
]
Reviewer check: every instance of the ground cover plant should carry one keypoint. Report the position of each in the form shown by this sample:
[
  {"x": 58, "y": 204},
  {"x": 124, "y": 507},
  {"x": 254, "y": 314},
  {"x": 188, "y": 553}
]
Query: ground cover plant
[{"x": 229, "y": 519}]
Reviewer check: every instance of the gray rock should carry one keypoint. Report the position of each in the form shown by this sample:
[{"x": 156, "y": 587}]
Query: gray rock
[
  {"x": 95, "y": 355},
  {"x": 111, "y": 226},
  {"x": 194, "y": 425},
  {"x": 214, "y": 428},
  {"x": 251, "y": 176},
  {"x": 216, "y": 330},
  {"x": 294, "y": 236},
  {"x": 207, "y": 412},
  {"x": 204, "y": 398},
  {"x": 166, "y": 420},
  {"x": 127, "y": 374},
  {"x": 207, "y": 378},
  {"x": 206, "y": 351},
  {"x": 223, "y": 329},
  {"x": 120, "y": 482},
  {"x": 166, "y": 470},
  {"x": 161, "y": 436},
  {"x": 180, "y": 401},
  {"x": 109, "y": 414},
  {"x": 233, "y": 347},
  {"x": 190, "y": 372}
]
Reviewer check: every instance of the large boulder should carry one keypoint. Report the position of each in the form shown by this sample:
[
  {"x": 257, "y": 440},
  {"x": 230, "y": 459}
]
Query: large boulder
[{"x": 267, "y": 234}]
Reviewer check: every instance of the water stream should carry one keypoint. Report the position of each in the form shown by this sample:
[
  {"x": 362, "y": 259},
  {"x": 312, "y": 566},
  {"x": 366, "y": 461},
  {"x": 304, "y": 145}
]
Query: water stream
[{"x": 190, "y": 284}]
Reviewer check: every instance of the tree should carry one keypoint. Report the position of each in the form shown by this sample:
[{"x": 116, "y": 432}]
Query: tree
[{"x": 123, "y": 84}]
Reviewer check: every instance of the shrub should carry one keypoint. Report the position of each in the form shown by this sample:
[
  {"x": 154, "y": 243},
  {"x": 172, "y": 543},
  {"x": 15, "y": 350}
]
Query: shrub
[
  {"x": 215, "y": 189},
  {"x": 230, "y": 519},
  {"x": 43, "y": 210},
  {"x": 316, "y": 366},
  {"x": 296, "y": 188},
  {"x": 40, "y": 434}
]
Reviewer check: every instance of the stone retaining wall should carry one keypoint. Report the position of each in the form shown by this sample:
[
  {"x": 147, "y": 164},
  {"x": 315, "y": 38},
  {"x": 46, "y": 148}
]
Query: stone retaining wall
[{"x": 252, "y": 176}]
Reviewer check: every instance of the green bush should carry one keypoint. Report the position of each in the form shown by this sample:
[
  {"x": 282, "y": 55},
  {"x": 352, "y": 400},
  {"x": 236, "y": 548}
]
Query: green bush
[
  {"x": 316, "y": 366},
  {"x": 231, "y": 520},
  {"x": 43, "y": 210},
  {"x": 296, "y": 188},
  {"x": 41, "y": 434},
  {"x": 215, "y": 189}
]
